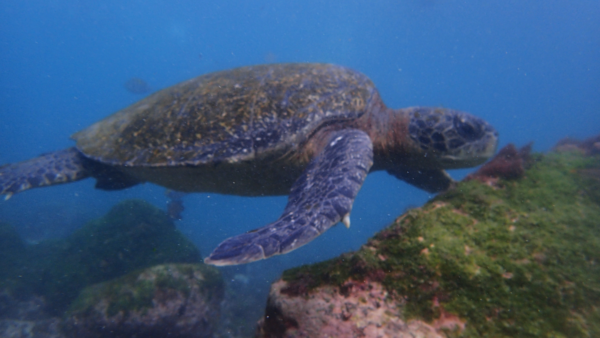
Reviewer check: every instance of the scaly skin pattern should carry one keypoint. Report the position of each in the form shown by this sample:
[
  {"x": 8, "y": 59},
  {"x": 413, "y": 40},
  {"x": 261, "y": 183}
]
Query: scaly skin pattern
[
  {"x": 455, "y": 134},
  {"x": 320, "y": 198},
  {"x": 62, "y": 166}
]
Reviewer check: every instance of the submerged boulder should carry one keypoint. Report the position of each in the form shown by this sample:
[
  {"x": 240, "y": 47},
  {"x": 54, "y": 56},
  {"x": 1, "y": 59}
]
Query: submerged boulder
[
  {"x": 172, "y": 300},
  {"x": 132, "y": 235},
  {"x": 516, "y": 258},
  {"x": 12, "y": 256},
  {"x": 356, "y": 309}
]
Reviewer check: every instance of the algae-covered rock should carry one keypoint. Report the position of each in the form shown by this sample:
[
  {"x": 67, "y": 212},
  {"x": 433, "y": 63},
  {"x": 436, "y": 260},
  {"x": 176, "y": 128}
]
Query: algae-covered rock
[
  {"x": 518, "y": 258},
  {"x": 132, "y": 235},
  {"x": 12, "y": 255},
  {"x": 172, "y": 300}
]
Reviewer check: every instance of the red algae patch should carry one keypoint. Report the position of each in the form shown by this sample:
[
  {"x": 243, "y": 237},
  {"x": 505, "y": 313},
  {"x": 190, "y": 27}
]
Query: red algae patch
[{"x": 509, "y": 163}]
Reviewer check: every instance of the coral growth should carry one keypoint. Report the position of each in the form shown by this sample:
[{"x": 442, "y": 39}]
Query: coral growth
[{"x": 516, "y": 260}]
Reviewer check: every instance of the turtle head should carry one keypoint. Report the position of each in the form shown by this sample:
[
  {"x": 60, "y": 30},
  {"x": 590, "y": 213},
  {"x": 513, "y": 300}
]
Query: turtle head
[{"x": 451, "y": 138}]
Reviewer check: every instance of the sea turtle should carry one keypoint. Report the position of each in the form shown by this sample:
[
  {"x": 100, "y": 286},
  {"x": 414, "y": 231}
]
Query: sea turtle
[{"x": 313, "y": 131}]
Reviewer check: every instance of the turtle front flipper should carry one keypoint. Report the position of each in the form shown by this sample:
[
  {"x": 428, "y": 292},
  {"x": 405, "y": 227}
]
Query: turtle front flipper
[
  {"x": 49, "y": 169},
  {"x": 430, "y": 180},
  {"x": 321, "y": 197}
]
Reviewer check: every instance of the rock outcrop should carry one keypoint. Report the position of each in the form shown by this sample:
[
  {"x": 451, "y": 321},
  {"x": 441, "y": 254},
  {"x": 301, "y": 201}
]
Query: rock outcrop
[
  {"x": 172, "y": 300},
  {"x": 132, "y": 235},
  {"x": 356, "y": 309},
  {"x": 516, "y": 258}
]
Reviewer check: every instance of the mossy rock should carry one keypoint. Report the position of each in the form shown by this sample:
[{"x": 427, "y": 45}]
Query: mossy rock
[
  {"x": 176, "y": 300},
  {"x": 132, "y": 235},
  {"x": 521, "y": 259},
  {"x": 12, "y": 248},
  {"x": 12, "y": 256}
]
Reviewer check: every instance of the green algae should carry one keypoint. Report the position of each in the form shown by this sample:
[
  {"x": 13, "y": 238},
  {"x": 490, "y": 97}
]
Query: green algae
[
  {"x": 518, "y": 260},
  {"x": 136, "y": 291},
  {"x": 123, "y": 295}
]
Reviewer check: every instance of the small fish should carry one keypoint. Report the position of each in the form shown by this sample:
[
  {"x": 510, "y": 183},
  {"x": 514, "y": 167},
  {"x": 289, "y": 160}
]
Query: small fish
[
  {"x": 175, "y": 205},
  {"x": 136, "y": 85}
]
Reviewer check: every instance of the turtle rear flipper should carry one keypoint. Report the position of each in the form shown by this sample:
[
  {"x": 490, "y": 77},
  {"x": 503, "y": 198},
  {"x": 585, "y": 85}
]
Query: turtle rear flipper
[
  {"x": 63, "y": 166},
  {"x": 321, "y": 197},
  {"x": 49, "y": 169}
]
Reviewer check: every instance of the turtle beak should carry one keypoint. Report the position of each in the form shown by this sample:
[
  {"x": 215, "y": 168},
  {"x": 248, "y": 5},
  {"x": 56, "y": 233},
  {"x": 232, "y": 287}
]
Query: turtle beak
[{"x": 492, "y": 144}]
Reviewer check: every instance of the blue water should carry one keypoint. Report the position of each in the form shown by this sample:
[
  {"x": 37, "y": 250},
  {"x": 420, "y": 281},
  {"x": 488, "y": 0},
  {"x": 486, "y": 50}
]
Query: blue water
[{"x": 530, "y": 68}]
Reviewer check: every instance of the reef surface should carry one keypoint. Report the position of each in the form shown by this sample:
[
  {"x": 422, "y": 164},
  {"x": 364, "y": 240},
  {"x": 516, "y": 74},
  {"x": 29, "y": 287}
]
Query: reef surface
[{"x": 513, "y": 251}]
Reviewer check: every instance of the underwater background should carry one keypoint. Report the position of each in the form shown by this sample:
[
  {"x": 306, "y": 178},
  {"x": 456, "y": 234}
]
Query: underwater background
[{"x": 530, "y": 68}]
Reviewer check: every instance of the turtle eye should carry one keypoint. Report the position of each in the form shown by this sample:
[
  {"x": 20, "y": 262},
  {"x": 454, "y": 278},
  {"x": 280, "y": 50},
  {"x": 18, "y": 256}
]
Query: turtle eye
[{"x": 468, "y": 128}]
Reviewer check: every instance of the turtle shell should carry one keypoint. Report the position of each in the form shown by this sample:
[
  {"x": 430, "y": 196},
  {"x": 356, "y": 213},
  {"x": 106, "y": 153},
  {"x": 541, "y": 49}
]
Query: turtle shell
[{"x": 232, "y": 115}]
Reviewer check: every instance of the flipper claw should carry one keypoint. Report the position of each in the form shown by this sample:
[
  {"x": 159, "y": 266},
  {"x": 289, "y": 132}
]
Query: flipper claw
[{"x": 346, "y": 220}]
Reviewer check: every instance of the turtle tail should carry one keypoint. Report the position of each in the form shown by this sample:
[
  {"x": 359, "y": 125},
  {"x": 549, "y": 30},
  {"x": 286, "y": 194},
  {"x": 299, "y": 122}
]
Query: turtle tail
[{"x": 62, "y": 166}]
